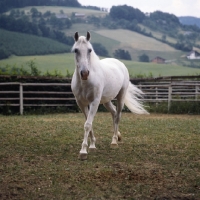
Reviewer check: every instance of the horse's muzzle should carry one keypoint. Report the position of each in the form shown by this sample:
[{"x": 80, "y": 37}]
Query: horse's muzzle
[{"x": 84, "y": 74}]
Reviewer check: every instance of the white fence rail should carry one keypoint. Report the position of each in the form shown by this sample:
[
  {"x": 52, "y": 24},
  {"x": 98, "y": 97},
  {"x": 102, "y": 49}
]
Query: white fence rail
[{"x": 154, "y": 92}]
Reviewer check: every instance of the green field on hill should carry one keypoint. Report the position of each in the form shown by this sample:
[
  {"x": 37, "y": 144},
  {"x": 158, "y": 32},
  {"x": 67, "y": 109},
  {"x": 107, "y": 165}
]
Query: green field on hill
[
  {"x": 24, "y": 44},
  {"x": 66, "y": 10},
  {"x": 64, "y": 62},
  {"x": 138, "y": 44}
]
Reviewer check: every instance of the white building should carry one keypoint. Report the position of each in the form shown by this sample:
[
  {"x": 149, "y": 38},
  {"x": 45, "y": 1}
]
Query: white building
[{"x": 193, "y": 55}]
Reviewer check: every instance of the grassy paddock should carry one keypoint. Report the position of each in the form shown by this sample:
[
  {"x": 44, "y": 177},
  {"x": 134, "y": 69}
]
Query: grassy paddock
[{"x": 158, "y": 158}]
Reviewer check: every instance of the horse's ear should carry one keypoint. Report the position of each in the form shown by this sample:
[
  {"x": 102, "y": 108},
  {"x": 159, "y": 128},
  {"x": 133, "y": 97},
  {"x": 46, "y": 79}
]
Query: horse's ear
[
  {"x": 76, "y": 36},
  {"x": 88, "y": 36}
]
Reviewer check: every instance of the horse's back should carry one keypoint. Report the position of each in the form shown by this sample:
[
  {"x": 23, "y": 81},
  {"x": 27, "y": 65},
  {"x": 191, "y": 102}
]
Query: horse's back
[{"x": 114, "y": 66}]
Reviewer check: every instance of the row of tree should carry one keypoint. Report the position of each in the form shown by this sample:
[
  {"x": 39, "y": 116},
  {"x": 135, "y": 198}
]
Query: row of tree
[
  {"x": 5, "y": 5},
  {"x": 40, "y": 29}
]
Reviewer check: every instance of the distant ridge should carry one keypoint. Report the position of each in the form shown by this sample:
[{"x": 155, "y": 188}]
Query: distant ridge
[{"x": 188, "y": 20}]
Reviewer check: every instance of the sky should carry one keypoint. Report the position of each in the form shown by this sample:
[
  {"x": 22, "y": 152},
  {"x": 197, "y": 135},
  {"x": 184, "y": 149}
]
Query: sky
[{"x": 176, "y": 7}]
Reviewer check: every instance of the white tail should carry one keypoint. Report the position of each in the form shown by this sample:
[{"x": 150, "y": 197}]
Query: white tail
[{"x": 133, "y": 100}]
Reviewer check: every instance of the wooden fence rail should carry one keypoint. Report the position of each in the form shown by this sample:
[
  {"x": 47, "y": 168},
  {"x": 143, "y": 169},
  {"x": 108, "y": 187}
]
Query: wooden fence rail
[
  {"x": 8, "y": 101},
  {"x": 154, "y": 92}
]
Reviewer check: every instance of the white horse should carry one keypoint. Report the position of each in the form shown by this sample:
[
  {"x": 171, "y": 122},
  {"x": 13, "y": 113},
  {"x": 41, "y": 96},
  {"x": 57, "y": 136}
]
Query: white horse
[{"x": 97, "y": 82}]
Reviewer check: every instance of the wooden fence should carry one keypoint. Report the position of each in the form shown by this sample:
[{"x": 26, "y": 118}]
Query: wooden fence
[
  {"x": 155, "y": 92},
  {"x": 169, "y": 92},
  {"x": 61, "y": 98}
]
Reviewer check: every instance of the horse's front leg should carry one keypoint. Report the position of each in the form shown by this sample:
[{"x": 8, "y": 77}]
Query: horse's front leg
[
  {"x": 88, "y": 130},
  {"x": 85, "y": 111}
]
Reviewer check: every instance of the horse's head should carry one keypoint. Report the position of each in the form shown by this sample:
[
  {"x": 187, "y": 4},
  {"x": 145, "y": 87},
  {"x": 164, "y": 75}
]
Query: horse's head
[{"x": 82, "y": 49}]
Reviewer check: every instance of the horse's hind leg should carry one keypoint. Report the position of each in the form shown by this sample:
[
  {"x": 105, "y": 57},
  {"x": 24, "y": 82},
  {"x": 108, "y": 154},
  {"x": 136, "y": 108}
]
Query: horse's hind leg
[
  {"x": 117, "y": 136},
  {"x": 120, "y": 105}
]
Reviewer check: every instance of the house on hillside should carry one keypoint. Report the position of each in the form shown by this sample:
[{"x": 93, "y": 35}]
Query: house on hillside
[
  {"x": 61, "y": 16},
  {"x": 158, "y": 60},
  {"x": 193, "y": 55},
  {"x": 80, "y": 15}
]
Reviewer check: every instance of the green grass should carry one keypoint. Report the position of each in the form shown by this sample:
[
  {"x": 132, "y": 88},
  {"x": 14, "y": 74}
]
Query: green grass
[
  {"x": 156, "y": 70},
  {"x": 158, "y": 158},
  {"x": 59, "y": 62},
  {"x": 63, "y": 62}
]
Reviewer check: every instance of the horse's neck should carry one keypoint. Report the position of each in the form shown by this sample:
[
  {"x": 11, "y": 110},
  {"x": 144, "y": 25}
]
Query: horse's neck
[{"x": 94, "y": 62}]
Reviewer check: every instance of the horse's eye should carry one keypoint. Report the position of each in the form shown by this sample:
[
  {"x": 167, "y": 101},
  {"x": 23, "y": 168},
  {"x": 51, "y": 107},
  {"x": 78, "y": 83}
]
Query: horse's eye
[
  {"x": 89, "y": 50},
  {"x": 76, "y": 50}
]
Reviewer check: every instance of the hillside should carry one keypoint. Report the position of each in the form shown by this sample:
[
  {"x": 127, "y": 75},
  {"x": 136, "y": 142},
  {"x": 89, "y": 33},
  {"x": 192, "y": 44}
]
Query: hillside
[
  {"x": 23, "y": 44},
  {"x": 138, "y": 44},
  {"x": 160, "y": 34}
]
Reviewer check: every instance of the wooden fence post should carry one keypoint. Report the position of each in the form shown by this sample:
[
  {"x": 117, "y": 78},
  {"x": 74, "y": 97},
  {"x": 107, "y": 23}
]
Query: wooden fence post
[
  {"x": 196, "y": 92},
  {"x": 156, "y": 96},
  {"x": 169, "y": 96},
  {"x": 21, "y": 98}
]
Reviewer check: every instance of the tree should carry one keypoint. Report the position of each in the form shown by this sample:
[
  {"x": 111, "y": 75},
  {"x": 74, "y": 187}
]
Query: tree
[
  {"x": 164, "y": 37},
  {"x": 100, "y": 50},
  {"x": 68, "y": 23},
  {"x": 144, "y": 58},
  {"x": 164, "y": 17},
  {"x": 34, "y": 12},
  {"x": 4, "y": 53},
  {"x": 5, "y": 5},
  {"x": 47, "y": 14},
  {"x": 126, "y": 12},
  {"x": 122, "y": 54}
]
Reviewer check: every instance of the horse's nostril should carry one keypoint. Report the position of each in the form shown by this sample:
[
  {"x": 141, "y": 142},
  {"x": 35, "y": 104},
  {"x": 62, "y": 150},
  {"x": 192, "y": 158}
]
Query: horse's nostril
[{"x": 84, "y": 74}]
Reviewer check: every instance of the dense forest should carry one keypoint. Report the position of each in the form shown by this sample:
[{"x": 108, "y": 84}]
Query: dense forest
[{"x": 6, "y": 5}]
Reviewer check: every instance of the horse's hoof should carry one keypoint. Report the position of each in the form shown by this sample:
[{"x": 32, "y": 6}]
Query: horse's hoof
[
  {"x": 114, "y": 145},
  {"x": 92, "y": 149},
  {"x": 82, "y": 156}
]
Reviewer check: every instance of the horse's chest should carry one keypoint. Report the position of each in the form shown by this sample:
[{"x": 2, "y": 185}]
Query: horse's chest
[{"x": 85, "y": 95}]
